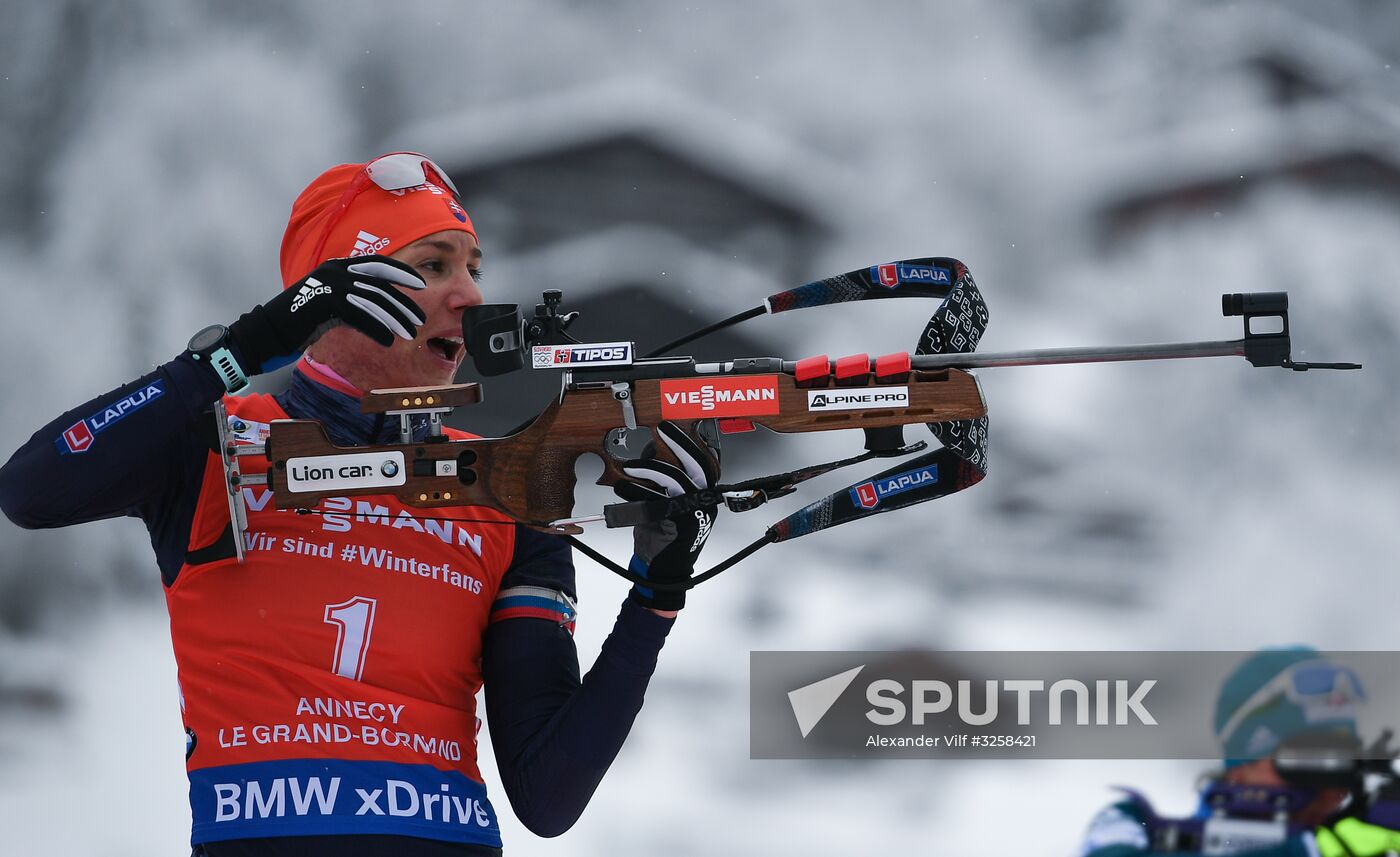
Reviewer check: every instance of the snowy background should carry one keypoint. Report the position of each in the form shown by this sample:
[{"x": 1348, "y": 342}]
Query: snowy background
[{"x": 1105, "y": 169}]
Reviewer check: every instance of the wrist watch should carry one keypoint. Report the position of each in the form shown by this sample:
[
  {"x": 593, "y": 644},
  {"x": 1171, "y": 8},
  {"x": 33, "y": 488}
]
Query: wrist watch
[{"x": 210, "y": 345}]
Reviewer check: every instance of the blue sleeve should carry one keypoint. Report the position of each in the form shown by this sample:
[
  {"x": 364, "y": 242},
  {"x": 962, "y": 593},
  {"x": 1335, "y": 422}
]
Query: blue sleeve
[
  {"x": 555, "y": 734},
  {"x": 132, "y": 451},
  {"x": 541, "y": 560}
]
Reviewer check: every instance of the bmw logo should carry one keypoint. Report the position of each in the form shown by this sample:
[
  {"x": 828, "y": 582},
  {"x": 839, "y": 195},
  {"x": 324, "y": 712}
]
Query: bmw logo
[{"x": 389, "y": 469}]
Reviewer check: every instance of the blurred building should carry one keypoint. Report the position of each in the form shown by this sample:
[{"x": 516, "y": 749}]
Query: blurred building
[
  {"x": 1239, "y": 97},
  {"x": 655, "y": 212}
]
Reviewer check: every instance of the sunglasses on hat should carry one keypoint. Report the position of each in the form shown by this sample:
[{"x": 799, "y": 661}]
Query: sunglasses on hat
[
  {"x": 399, "y": 171},
  {"x": 1323, "y": 690},
  {"x": 403, "y": 170}
]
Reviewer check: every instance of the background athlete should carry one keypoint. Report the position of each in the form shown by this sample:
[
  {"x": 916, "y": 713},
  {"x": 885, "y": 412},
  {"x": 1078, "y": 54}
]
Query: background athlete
[{"x": 1276, "y": 697}]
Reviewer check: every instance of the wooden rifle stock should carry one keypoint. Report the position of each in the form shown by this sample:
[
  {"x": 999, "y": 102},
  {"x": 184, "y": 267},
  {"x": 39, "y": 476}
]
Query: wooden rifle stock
[{"x": 530, "y": 475}]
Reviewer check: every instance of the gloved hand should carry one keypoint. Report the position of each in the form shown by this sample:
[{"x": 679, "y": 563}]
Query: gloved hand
[
  {"x": 666, "y": 550},
  {"x": 359, "y": 292},
  {"x": 1352, "y": 837}
]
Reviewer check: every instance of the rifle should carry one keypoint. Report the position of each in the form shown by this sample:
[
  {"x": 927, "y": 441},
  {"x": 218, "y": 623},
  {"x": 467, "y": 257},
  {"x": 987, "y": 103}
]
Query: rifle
[
  {"x": 1240, "y": 818},
  {"x": 607, "y": 391}
]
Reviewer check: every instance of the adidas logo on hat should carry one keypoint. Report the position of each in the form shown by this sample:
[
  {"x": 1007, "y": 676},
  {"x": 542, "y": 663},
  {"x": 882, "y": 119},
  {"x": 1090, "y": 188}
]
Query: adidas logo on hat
[{"x": 367, "y": 244}]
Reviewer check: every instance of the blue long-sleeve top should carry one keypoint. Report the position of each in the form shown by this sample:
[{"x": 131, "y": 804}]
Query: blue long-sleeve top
[{"x": 555, "y": 734}]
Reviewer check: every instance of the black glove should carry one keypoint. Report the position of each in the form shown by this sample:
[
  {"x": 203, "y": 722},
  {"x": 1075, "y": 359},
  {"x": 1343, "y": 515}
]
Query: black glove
[
  {"x": 359, "y": 292},
  {"x": 666, "y": 550}
]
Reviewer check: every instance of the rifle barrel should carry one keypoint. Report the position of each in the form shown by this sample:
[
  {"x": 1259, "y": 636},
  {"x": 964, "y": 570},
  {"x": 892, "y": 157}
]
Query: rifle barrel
[
  {"x": 1057, "y": 356},
  {"x": 684, "y": 367}
]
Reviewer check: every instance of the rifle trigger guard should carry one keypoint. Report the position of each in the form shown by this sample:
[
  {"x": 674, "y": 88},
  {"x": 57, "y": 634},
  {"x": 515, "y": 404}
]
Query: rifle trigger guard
[{"x": 622, "y": 391}]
